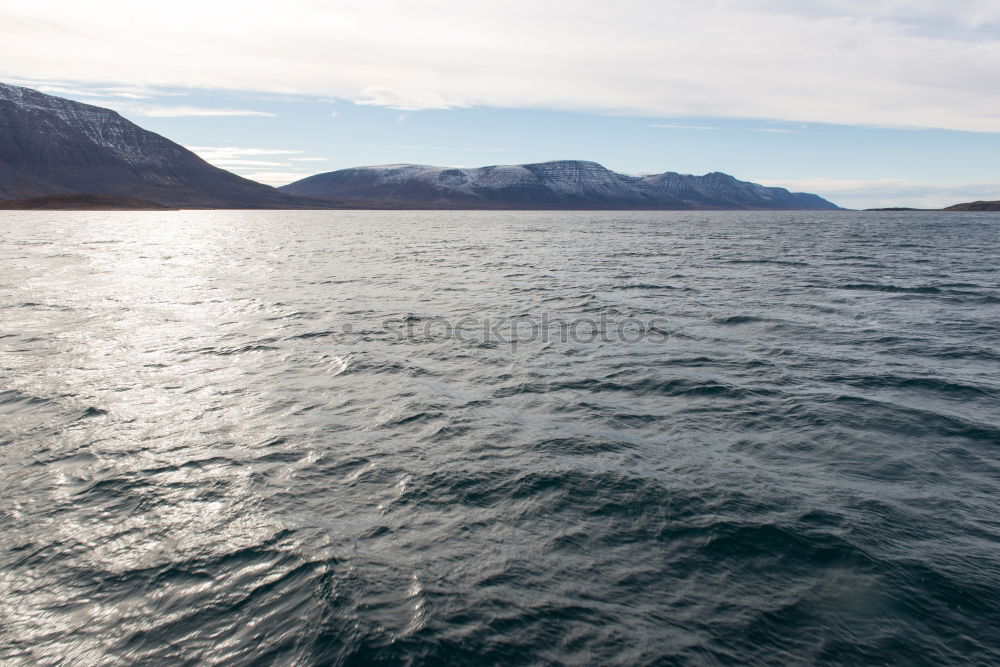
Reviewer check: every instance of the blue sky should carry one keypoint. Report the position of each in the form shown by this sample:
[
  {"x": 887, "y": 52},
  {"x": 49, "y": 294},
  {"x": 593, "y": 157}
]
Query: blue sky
[{"x": 866, "y": 103}]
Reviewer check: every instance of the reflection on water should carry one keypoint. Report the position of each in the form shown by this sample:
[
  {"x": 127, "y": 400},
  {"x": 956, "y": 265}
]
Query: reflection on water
[{"x": 213, "y": 449}]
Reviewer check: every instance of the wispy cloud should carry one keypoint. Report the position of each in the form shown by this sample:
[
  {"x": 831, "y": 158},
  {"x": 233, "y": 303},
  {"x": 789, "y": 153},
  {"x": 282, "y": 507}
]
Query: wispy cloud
[
  {"x": 95, "y": 91},
  {"x": 254, "y": 163},
  {"x": 276, "y": 177},
  {"x": 772, "y": 130},
  {"x": 882, "y": 192},
  {"x": 153, "y": 111},
  {"x": 681, "y": 126},
  {"x": 243, "y": 159},
  {"x": 403, "y": 99},
  {"x": 464, "y": 149},
  {"x": 228, "y": 163},
  {"x": 234, "y": 152},
  {"x": 678, "y": 126}
]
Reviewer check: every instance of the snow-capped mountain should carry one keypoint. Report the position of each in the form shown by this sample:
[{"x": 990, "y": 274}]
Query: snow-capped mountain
[
  {"x": 564, "y": 184},
  {"x": 51, "y": 145}
]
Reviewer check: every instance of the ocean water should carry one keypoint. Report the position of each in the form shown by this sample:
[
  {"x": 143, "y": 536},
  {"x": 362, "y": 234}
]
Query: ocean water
[{"x": 499, "y": 438}]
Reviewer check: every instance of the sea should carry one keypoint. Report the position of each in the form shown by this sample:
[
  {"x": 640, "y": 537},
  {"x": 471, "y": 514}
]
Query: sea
[{"x": 499, "y": 438}]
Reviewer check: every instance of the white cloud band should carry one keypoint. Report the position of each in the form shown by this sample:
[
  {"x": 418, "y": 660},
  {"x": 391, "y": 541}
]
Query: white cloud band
[{"x": 881, "y": 62}]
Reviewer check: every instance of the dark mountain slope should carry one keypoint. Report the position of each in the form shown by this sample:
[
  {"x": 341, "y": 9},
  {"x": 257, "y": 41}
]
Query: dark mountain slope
[{"x": 50, "y": 145}]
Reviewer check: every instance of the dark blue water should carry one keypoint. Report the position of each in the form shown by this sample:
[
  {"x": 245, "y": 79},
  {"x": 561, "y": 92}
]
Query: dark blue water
[{"x": 319, "y": 437}]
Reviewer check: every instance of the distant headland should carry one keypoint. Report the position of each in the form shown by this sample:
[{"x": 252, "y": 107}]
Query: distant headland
[{"x": 975, "y": 206}]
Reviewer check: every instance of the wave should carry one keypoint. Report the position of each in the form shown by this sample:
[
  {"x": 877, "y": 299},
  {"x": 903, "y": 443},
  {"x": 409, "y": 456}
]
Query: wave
[{"x": 878, "y": 287}]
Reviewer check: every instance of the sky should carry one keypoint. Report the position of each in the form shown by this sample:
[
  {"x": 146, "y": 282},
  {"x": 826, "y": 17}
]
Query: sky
[{"x": 868, "y": 103}]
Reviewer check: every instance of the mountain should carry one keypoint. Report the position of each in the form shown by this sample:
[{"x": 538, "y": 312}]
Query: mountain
[
  {"x": 975, "y": 206},
  {"x": 54, "y": 146},
  {"x": 566, "y": 184},
  {"x": 50, "y": 145}
]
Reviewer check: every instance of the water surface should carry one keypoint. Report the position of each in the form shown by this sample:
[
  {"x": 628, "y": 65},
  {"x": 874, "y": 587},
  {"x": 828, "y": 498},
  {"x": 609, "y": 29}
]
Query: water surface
[{"x": 234, "y": 437}]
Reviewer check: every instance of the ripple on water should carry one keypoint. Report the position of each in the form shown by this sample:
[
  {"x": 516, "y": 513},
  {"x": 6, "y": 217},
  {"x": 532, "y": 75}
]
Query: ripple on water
[{"x": 247, "y": 437}]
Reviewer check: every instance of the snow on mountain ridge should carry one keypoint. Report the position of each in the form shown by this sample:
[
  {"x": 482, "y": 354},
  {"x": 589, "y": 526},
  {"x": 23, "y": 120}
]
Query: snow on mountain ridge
[
  {"x": 560, "y": 183},
  {"x": 106, "y": 128},
  {"x": 55, "y": 146}
]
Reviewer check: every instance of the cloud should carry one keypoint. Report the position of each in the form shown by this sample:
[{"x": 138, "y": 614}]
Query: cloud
[
  {"x": 127, "y": 99},
  {"x": 276, "y": 178},
  {"x": 678, "y": 126},
  {"x": 133, "y": 108},
  {"x": 64, "y": 89},
  {"x": 235, "y": 152},
  {"x": 883, "y": 192},
  {"x": 246, "y": 161},
  {"x": 153, "y": 111},
  {"x": 228, "y": 164},
  {"x": 241, "y": 159},
  {"x": 921, "y": 63},
  {"x": 404, "y": 100},
  {"x": 772, "y": 130},
  {"x": 468, "y": 149}
]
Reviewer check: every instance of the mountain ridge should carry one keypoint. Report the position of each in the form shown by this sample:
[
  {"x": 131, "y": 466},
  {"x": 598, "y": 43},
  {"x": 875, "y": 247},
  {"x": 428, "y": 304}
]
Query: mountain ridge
[
  {"x": 559, "y": 184},
  {"x": 53, "y": 146}
]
